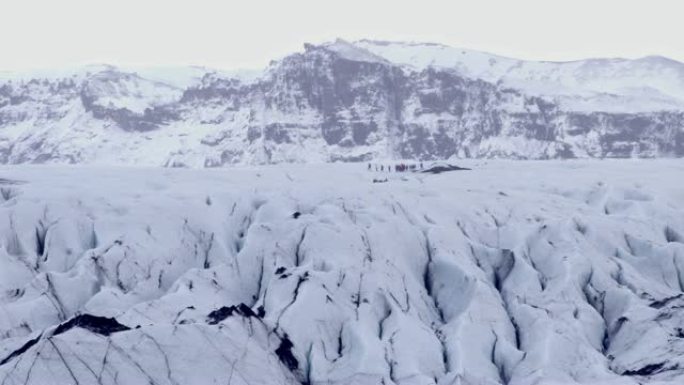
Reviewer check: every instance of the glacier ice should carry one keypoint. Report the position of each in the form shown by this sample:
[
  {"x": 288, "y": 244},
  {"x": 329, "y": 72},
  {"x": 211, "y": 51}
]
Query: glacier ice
[{"x": 507, "y": 273}]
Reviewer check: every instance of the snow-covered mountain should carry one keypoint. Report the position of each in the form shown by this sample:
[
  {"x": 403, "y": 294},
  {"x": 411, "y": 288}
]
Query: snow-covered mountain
[
  {"x": 515, "y": 273},
  {"x": 346, "y": 101},
  {"x": 608, "y": 85}
]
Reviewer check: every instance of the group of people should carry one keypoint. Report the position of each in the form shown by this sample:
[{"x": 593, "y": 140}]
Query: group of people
[{"x": 399, "y": 167}]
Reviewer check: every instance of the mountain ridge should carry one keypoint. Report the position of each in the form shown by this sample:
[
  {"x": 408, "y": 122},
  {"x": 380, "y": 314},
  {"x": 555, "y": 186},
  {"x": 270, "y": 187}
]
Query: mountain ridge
[{"x": 347, "y": 101}]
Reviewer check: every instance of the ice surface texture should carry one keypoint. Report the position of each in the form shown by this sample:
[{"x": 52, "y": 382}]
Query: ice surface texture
[{"x": 508, "y": 273}]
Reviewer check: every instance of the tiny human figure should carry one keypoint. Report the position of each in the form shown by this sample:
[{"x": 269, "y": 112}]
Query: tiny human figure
[
  {"x": 369, "y": 166},
  {"x": 382, "y": 168}
]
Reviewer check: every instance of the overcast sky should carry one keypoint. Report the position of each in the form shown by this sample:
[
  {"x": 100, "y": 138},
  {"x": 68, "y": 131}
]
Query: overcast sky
[{"x": 249, "y": 33}]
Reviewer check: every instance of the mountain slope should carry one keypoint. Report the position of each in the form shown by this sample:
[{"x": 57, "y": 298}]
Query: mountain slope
[
  {"x": 645, "y": 84},
  {"x": 347, "y": 101}
]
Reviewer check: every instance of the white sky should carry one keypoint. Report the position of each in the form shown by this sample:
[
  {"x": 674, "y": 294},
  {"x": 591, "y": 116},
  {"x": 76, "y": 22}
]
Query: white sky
[{"x": 249, "y": 33}]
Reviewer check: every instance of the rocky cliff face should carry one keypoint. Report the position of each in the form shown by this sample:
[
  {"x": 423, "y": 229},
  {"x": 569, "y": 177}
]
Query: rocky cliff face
[{"x": 344, "y": 101}]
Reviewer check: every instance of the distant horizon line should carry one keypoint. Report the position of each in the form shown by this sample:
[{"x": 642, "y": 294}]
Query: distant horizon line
[{"x": 303, "y": 45}]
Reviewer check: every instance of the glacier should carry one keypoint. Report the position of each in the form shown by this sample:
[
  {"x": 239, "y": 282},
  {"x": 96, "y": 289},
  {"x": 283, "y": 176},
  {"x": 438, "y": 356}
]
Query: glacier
[{"x": 511, "y": 272}]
